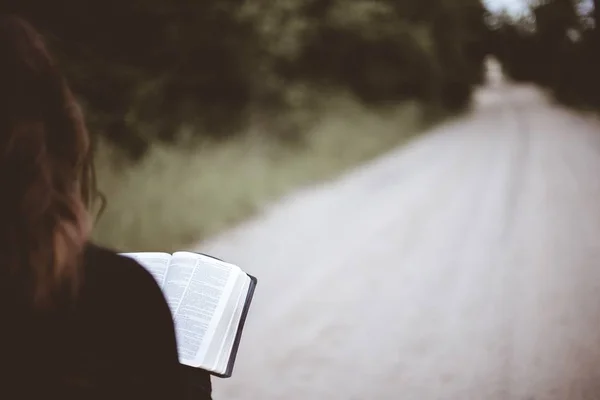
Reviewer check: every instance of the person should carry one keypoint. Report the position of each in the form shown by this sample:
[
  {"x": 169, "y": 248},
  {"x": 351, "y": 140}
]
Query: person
[{"x": 78, "y": 321}]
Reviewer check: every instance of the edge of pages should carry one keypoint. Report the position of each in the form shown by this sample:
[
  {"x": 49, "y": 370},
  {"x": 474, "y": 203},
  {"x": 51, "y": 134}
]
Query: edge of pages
[{"x": 238, "y": 335}]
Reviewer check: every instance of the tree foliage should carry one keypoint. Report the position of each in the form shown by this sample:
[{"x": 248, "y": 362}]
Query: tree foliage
[
  {"x": 556, "y": 46},
  {"x": 144, "y": 68}
]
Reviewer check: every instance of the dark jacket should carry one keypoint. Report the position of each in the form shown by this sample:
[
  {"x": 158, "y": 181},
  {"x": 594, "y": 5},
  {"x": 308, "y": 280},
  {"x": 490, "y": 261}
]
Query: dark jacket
[{"x": 116, "y": 341}]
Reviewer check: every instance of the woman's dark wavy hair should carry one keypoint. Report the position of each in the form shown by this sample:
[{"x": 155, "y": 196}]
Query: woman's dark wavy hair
[{"x": 46, "y": 170}]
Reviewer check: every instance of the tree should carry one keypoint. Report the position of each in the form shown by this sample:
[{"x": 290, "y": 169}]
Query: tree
[{"x": 144, "y": 68}]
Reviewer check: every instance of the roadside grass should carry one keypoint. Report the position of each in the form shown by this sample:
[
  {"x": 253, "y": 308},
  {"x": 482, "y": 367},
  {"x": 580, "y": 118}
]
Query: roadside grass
[{"x": 179, "y": 195}]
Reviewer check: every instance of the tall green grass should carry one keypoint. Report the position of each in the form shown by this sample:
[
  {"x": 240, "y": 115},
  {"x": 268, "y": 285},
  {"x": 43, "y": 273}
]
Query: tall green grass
[{"x": 181, "y": 194}]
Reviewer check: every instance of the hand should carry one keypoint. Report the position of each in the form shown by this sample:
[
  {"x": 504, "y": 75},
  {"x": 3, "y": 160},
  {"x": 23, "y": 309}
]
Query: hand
[{"x": 198, "y": 383}]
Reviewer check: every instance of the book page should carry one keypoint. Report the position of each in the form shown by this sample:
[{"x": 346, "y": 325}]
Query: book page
[
  {"x": 177, "y": 279},
  {"x": 197, "y": 288},
  {"x": 226, "y": 346},
  {"x": 156, "y": 263}
]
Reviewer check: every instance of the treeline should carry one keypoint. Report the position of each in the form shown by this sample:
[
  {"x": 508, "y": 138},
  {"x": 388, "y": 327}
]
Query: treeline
[
  {"x": 556, "y": 45},
  {"x": 146, "y": 68}
]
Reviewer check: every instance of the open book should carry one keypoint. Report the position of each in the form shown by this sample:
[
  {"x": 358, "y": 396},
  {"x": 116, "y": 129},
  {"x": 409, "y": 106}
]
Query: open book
[{"x": 209, "y": 300}]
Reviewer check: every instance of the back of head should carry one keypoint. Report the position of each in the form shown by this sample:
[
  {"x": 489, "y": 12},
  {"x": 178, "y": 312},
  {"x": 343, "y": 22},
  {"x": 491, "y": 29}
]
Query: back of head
[{"x": 45, "y": 170}]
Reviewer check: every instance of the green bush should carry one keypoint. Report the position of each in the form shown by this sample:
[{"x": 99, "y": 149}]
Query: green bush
[
  {"x": 557, "y": 46},
  {"x": 147, "y": 69}
]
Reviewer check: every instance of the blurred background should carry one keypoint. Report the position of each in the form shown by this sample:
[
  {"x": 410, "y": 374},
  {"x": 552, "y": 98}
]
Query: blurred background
[{"x": 205, "y": 110}]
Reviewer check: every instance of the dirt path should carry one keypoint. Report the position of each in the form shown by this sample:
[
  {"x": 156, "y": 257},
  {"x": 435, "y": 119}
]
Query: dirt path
[{"x": 463, "y": 266}]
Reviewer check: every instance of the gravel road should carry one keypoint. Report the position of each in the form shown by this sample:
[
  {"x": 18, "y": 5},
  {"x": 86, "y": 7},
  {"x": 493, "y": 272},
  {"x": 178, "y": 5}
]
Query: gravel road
[{"x": 465, "y": 265}]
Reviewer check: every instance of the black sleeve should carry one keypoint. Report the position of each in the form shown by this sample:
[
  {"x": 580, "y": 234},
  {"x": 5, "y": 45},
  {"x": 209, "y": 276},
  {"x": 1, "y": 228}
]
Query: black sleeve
[
  {"x": 149, "y": 336},
  {"x": 153, "y": 343}
]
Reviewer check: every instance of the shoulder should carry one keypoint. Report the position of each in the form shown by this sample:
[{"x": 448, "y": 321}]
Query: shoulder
[
  {"x": 121, "y": 287},
  {"x": 107, "y": 259},
  {"x": 113, "y": 277},
  {"x": 103, "y": 263},
  {"x": 123, "y": 306}
]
